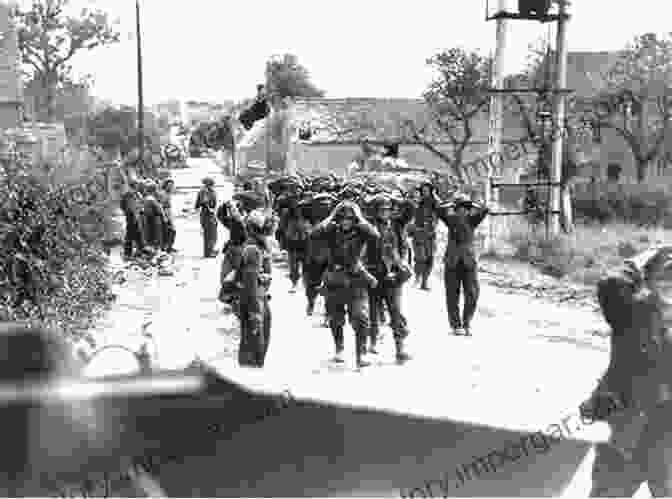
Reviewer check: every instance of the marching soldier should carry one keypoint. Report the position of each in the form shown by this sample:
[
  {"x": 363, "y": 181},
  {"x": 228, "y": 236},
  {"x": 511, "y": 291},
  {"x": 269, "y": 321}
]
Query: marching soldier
[
  {"x": 255, "y": 277},
  {"x": 206, "y": 201},
  {"x": 386, "y": 262},
  {"x": 460, "y": 262},
  {"x": 346, "y": 280},
  {"x": 634, "y": 396},
  {"x": 317, "y": 250},
  {"x": 424, "y": 234}
]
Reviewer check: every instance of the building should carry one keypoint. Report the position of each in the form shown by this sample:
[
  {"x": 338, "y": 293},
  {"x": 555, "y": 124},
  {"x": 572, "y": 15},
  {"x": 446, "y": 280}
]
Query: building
[{"x": 609, "y": 158}]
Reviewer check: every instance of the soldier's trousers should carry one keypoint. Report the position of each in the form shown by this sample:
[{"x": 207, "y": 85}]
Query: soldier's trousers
[
  {"x": 424, "y": 248},
  {"x": 458, "y": 279},
  {"x": 209, "y": 226},
  {"x": 255, "y": 332},
  {"x": 312, "y": 278},
  {"x": 389, "y": 296},
  {"x": 354, "y": 301},
  {"x": 296, "y": 252},
  {"x": 639, "y": 450},
  {"x": 134, "y": 236},
  {"x": 169, "y": 234}
]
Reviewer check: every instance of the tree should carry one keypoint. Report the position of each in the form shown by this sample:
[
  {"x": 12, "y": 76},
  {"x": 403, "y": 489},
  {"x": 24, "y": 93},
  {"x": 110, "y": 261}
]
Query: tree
[
  {"x": 457, "y": 95},
  {"x": 635, "y": 98},
  {"x": 287, "y": 78},
  {"x": 49, "y": 38},
  {"x": 117, "y": 128}
]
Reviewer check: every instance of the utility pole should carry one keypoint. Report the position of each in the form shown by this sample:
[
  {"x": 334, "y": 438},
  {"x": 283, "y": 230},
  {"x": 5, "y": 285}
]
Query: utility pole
[
  {"x": 141, "y": 105},
  {"x": 496, "y": 118},
  {"x": 558, "y": 133},
  {"x": 268, "y": 117}
]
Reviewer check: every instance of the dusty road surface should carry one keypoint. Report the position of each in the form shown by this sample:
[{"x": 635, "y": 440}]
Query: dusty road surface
[{"x": 528, "y": 365}]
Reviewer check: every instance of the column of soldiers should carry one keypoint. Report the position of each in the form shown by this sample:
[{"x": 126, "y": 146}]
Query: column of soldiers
[
  {"x": 150, "y": 227},
  {"x": 349, "y": 242}
]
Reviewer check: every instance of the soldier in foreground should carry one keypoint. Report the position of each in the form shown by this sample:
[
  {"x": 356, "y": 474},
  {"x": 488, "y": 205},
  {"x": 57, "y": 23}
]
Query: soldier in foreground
[
  {"x": 634, "y": 396},
  {"x": 346, "y": 281},
  {"x": 386, "y": 262},
  {"x": 255, "y": 277},
  {"x": 460, "y": 262}
]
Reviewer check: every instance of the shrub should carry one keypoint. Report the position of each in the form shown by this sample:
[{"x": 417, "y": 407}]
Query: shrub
[
  {"x": 648, "y": 208},
  {"x": 52, "y": 264}
]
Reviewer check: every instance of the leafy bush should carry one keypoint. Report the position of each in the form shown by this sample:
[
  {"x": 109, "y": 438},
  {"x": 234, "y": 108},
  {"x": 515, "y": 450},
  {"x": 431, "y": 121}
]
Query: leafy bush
[
  {"x": 52, "y": 264},
  {"x": 645, "y": 208}
]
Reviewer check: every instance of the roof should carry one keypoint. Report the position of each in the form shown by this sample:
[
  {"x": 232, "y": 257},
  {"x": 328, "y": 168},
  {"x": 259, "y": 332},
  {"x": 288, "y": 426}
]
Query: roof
[{"x": 352, "y": 118}]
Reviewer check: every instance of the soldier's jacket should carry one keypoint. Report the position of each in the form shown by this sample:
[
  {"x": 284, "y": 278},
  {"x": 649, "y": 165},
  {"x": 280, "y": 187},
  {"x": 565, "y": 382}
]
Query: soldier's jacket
[
  {"x": 460, "y": 245},
  {"x": 166, "y": 204},
  {"x": 640, "y": 366},
  {"x": 206, "y": 201},
  {"x": 254, "y": 274},
  {"x": 425, "y": 218},
  {"x": 346, "y": 250},
  {"x": 392, "y": 237},
  {"x": 131, "y": 204},
  {"x": 235, "y": 225}
]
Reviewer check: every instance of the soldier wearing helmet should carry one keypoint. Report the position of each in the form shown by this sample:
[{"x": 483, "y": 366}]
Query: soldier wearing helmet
[
  {"x": 346, "y": 232},
  {"x": 206, "y": 202},
  {"x": 154, "y": 216},
  {"x": 424, "y": 234},
  {"x": 461, "y": 217},
  {"x": 131, "y": 205},
  {"x": 385, "y": 260},
  {"x": 255, "y": 281}
]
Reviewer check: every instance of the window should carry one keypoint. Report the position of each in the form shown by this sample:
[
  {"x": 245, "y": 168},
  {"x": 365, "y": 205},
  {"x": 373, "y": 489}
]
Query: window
[{"x": 614, "y": 172}]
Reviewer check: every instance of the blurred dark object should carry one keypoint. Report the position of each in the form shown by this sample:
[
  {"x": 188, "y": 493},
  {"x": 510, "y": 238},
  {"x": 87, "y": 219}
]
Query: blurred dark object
[
  {"x": 258, "y": 111},
  {"x": 534, "y": 9}
]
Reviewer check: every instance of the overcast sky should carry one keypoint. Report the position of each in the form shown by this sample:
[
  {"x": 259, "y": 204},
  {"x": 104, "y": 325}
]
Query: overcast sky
[{"x": 216, "y": 49}]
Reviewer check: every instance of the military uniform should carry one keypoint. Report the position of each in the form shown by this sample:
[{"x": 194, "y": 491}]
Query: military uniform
[
  {"x": 131, "y": 207},
  {"x": 345, "y": 280},
  {"x": 206, "y": 201},
  {"x": 385, "y": 261},
  {"x": 169, "y": 222},
  {"x": 255, "y": 313},
  {"x": 423, "y": 234},
  {"x": 460, "y": 264},
  {"x": 154, "y": 220},
  {"x": 637, "y": 386}
]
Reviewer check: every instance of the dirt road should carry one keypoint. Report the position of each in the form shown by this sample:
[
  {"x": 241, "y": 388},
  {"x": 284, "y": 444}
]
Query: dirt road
[{"x": 528, "y": 364}]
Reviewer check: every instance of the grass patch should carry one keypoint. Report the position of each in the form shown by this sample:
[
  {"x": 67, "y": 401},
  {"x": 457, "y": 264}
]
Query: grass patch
[{"x": 583, "y": 256}]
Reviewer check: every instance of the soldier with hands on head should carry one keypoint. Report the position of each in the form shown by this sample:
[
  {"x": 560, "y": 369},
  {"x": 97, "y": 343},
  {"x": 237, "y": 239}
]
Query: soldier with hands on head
[
  {"x": 423, "y": 234},
  {"x": 346, "y": 280},
  {"x": 461, "y": 217},
  {"x": 634, "y": 397},
  {"x": 385, "y": 260}
]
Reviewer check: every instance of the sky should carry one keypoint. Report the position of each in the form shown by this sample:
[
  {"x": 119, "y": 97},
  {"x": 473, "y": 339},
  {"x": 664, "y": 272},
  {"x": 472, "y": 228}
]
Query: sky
[{"x": 215, "y": 50}]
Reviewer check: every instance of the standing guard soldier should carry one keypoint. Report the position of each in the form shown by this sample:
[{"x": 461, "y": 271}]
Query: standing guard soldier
[
  {"x": 154, "y": 217},
  {"x": 296, "y": 234},
  {"x": 424, "y": 234},
  {"x": 634, "y": 396},
  {"x": 460, "y": 261},
  {"x": 206, "y": 201},
  {"x": 131, "y": 206},
  {"x": 255, "y": 281},
  {"x": 346, "y": 280},
  {"x": 165, "y": 199},
  {"x": 386, "y": 262}
]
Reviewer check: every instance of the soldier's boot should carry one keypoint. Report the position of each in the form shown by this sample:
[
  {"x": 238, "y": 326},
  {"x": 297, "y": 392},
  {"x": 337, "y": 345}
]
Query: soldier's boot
[
  {"x": 338, "y": 339},
  {"x": 402, "y": 356},
  {"x": 362, "y": 361},
  {"x": 292, "y": 290},
  {"x": 425, "y": 278},
  {"x": 373, "y": 343},
  {"x": 310, "y": 308}
]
